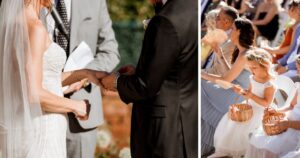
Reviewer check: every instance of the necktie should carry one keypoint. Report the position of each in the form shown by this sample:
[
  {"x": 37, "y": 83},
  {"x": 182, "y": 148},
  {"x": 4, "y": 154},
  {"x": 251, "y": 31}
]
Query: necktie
[{"x": 61, "y": 39}]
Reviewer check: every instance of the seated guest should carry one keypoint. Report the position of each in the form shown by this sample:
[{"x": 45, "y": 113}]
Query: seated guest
[
  {"x": 279, "y": 52},
  {"x": 286, "y": 65},
  {"x": 215, "y": 100},
  {"x": 266, "y": 19},
  {"x": 210, "y": 22},
  {"x": 215, "y": 64}
]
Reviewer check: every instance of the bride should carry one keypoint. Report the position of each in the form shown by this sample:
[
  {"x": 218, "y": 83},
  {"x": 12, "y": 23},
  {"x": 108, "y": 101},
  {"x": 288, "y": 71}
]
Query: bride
[{"x": 33, "y": 110}]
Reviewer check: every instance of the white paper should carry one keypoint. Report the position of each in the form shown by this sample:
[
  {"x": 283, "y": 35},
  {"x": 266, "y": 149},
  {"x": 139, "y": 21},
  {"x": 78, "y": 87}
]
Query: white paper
[{"x": 80, "y": 58}]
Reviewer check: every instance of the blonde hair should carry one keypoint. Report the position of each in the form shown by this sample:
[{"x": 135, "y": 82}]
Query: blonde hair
[
  {"x": 262, "y": 57},
  {"x": 210, "y": 19},
  {"x": 47, "y": 3}
]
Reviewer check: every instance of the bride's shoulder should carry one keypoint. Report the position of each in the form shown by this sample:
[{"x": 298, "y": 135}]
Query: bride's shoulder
[
  {"x": 36, "y": 28},
  {"x": 38, "y": 35}
]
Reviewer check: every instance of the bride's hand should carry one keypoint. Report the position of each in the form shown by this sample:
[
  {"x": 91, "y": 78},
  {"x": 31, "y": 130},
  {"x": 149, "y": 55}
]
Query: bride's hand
[{"x": 82, "y": 110}]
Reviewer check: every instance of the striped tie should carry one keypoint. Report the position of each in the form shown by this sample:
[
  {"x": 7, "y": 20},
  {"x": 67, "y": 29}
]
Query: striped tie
[{"x": 61, "y": 39}]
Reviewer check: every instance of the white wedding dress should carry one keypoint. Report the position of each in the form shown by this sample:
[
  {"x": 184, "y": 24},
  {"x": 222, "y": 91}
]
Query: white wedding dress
[{"x": 53, "y": 126}]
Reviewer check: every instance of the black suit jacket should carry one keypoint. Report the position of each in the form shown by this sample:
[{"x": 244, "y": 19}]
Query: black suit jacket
[{"x": 164, "y": 88}]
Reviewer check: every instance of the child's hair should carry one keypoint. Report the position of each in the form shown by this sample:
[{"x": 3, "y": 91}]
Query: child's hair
[
  {"x": 210, "y": 19},
  {"x": 262, "y": 57}
]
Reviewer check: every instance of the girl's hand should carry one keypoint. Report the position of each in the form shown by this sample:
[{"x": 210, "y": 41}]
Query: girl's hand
[
  {"x": 247, "y": 94},
  {"x": 269, "y": 110},
  {"x": 237, "y": 89}
]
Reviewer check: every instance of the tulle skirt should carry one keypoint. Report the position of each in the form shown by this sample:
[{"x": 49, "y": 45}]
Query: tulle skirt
[{"x": 232, "y": 138}]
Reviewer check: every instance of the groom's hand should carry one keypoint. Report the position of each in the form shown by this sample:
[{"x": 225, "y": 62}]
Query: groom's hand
[
  {"x": 109, "y": 82},
  {"x": 127, "y": 70}
]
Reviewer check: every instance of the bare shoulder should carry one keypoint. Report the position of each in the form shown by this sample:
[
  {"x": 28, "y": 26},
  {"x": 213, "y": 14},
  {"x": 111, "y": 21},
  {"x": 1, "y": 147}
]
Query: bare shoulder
[{"x": 38, "y": 36}]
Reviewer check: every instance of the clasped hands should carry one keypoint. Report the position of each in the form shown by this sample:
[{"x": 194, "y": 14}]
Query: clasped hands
[
  {"x": 108, "y": 80},
  {"x": 100, "y": 78}
]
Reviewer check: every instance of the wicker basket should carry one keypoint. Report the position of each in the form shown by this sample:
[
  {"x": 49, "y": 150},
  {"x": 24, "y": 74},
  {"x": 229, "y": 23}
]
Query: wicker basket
[
  {"x": 240, "y": 112},
  {"x": 269, "y": 121}
]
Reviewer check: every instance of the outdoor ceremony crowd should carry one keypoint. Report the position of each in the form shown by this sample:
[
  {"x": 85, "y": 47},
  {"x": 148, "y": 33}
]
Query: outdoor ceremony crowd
[{"x": 250, "y": 54}]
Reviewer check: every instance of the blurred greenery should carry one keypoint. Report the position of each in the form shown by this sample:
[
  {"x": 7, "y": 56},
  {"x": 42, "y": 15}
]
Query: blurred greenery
[
  {"x": 127, "y": 17},
  {"x": 130, "y": 10}
]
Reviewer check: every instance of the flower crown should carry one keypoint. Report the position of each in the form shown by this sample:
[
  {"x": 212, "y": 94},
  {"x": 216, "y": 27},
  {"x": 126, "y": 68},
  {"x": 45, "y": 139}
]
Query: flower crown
[{"x": 262, "y": 58}]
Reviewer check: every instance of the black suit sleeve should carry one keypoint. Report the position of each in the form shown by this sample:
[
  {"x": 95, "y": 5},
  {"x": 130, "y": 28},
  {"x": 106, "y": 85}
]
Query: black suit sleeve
[{"x": 159, "y": 53}]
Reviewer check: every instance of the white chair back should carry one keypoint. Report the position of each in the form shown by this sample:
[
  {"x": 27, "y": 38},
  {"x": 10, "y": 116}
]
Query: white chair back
[{"x": 288, "y": 87}]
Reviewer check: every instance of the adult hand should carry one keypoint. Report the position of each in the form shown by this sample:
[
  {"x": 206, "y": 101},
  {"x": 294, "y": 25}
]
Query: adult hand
[
  {"x": 109, "y": 82},
  {"x": 82, "y": 110},
  {"x": 127, "y": 70},
  {"x": 280, "y": 69},
  {"x": 282, "y": 125},
  {"x": 76, "y": 86},
  {"x": 95, "y": 76}
]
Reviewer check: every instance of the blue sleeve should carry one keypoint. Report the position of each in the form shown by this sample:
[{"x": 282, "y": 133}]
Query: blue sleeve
[
  {"x": 292, "y": 66},
  {"x": 283, "y": 61}
]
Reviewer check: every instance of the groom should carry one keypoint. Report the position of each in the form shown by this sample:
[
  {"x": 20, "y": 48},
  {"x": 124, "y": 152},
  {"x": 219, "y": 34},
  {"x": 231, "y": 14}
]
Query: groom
[{"x": 163, "y": 88}]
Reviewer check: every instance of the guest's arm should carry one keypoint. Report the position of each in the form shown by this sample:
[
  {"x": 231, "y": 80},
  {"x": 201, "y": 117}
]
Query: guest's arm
[
  {"x": 289, "y": 107},
  {"x": 285, "y": 124},
  {"x": 231, "y": 75},
  {"x": 278, "y": 51},
  {"x": 259, "y": 8},
  {"x": 221, "y": 56},
  {"x": 270, "y": 15}
]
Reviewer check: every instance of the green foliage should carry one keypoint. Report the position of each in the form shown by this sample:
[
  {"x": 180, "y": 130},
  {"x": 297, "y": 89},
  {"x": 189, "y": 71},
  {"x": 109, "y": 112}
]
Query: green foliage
[
  {"x": 127, "y": 17},
  {"x": 132, "y": 10}
]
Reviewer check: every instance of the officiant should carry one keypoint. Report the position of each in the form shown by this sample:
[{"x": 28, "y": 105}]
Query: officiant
[{"x": 89, "y": 23}]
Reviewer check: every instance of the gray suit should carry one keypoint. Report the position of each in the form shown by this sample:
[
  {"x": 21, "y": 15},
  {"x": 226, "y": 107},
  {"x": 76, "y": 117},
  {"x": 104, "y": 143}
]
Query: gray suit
[{"x": 90, "y": 22}]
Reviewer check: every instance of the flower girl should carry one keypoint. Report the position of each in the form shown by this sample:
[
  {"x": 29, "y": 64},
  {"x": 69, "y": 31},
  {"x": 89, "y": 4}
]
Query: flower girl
[
  {"x": 232, "y": 138},
  {"x": 286, "y": 144}
]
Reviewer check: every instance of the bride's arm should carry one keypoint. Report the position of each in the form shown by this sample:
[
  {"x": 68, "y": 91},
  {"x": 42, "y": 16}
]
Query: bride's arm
[
  {"x": 49, "y": 101},
  {"x": 78, "y": 75}
]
